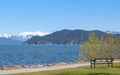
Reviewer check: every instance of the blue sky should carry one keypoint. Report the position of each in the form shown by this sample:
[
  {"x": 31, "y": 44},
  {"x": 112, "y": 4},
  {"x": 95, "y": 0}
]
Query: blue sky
[{"x": 51, "y": 15}]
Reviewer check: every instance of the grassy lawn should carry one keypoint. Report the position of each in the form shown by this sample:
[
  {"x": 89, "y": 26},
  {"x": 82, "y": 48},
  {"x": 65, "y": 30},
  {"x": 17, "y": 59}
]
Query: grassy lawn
[{"x": 100, "y": 70}]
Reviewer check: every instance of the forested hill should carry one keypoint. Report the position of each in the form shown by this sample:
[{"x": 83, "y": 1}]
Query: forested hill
[{"x": 64, "y": 37}]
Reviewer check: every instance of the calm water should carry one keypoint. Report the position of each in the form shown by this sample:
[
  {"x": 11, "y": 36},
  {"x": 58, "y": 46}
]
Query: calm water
[{"x": 37, "y": 54}]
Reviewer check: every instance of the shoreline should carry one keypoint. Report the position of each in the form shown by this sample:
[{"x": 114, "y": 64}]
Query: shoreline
[{"x": 45, "y": 68}]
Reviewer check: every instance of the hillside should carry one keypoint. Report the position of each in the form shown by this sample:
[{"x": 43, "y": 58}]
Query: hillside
[
  {"x": 8, "y": 41},
  {"x": 64, "y": 37}
]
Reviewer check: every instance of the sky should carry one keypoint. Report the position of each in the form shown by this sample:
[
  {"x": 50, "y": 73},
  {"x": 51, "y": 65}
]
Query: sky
[{"x": 53, "y": 15}]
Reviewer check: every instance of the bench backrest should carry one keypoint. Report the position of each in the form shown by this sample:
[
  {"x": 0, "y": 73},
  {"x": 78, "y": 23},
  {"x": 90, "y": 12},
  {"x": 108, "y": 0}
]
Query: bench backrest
[{"x": 102, "y": 60}]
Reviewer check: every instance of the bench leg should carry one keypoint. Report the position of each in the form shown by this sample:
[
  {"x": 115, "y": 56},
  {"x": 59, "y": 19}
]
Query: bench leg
[
  {"x": 108, "y": 64},
  {"x": 94, "y": 65},
  {"x": 112, "y": 65},
  {"x": 91, "y": 65}
]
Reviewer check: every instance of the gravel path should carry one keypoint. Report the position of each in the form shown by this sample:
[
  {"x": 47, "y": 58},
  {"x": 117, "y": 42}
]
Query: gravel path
[{"x": 4, "y": 72}]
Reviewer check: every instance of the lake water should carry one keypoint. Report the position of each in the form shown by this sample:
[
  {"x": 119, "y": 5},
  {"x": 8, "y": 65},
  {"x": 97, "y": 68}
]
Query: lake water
[{"x": 37, "y": 54}]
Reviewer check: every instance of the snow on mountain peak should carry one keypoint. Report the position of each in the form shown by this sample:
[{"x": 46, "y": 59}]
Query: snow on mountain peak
[
  {"x": 5, "y": 35},
  {"x": 24, "y": 35},
  {"x": 38, "y": 33},
  {"x": 112, "y": 32}
]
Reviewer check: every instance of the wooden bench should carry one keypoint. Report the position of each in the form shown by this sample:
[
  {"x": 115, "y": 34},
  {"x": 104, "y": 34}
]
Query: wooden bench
[{"x": 102, "y": 61}]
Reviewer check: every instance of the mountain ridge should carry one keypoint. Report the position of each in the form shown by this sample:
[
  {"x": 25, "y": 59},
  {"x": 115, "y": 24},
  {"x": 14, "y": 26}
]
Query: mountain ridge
[
  {"x": 9, "y": 41},
  {"x": 64, "y": 36},
  {"x": 19, "y": 38},
  {"x": 23, "y": 36}
]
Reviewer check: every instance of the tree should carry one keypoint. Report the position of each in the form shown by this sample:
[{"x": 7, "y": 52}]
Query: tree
[
  {"x": 117, "y": 47},
  {"x": 91, "y": 46},
  {"x": 99, "y": 48},
  {"x": 109, "y": 45}
]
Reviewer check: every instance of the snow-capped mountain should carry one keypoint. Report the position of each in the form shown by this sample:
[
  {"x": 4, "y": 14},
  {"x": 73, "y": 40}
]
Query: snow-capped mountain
[
  {"x": 112, "y": 32},
  {"x": 5, "y": 35},
  {"x": 27, "y": 35},
  {"x": 24, "y": 35}
]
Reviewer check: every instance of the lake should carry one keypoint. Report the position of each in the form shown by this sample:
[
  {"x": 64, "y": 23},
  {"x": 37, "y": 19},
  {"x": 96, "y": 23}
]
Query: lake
[{"x": 37, "y": 54}]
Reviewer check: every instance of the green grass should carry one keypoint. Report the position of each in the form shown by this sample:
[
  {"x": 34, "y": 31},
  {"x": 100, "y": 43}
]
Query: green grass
[{"x": 100, "y": 70}]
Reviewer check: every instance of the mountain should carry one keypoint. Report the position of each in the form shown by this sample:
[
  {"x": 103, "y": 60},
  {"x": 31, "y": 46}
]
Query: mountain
[
  {"x": 112, "y": 32},
  {"x": 27, "y": 35},
  {"x": 19, "y": 38},
  {"x": 59, "y": 37},
  {"x": 5, "y": 36},
  {"x": 64, "y": 37},
  {"x": 23, "y": 36},
  {"x": 38, "y": 33},
  {"x": 8, "y": 41}
]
